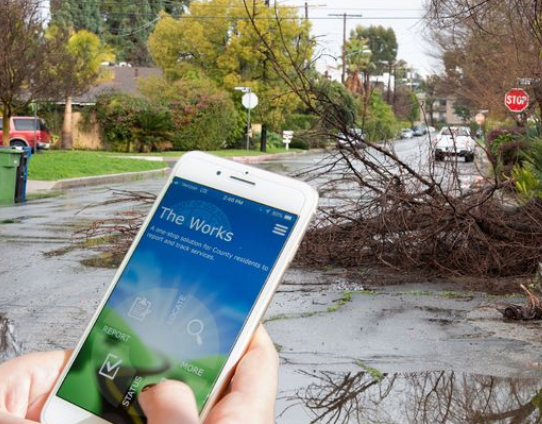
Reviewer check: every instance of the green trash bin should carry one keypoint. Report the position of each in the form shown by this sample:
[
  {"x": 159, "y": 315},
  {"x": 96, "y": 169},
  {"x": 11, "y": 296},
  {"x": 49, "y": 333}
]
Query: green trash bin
[{"x": 9, "y": 162}]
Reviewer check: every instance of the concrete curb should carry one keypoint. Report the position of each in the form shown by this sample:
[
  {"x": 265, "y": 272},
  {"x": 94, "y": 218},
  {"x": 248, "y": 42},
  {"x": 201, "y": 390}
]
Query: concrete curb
[
  {"x": 263, "y": 158},
  {"x": 36, "y": 186}
]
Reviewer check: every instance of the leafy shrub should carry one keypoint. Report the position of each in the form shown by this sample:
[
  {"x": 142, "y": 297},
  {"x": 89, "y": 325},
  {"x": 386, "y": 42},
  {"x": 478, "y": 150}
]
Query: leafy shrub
[
  {"x": 274, "y": 140},
  {"x": 203, "y": 116},
  {"x": 526, "y": 183},
  {"x": 528, "y": 177},
  {"x": 300, "y": 144},
  {"x": 299, "y": 122},
  {"x": 131, "y": 123},
  {"x": 505, "y": 148}
]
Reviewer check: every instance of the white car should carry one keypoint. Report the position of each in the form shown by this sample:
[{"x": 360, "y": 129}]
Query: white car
[
  {"x": 455, "y": 141},
  {"x": 354, "y": 139},
  {"x": 407, "y": 133}
]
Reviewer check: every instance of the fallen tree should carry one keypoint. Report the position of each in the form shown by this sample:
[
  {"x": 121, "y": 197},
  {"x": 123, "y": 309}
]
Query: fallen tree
[{"x": 382, "y": 207}]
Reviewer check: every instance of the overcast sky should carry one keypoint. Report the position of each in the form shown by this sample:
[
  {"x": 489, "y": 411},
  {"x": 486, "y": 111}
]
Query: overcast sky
[{"x": 404, "y": 16}]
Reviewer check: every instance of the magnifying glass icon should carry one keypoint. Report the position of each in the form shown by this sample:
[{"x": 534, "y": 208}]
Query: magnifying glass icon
[{"x": 195, "y": 328}]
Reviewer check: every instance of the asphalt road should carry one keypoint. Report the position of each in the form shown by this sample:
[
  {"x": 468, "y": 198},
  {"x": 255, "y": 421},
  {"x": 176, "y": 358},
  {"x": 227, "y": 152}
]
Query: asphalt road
[{"x": 406, "y": 333}]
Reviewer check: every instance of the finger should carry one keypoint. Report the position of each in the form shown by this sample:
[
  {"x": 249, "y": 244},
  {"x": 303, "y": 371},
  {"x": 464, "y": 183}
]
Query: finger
[
  {"x": 170, "y": 402},
  {"x": 26, "y": 381},
  {"x": 253, "y": 389},
  {"x": 256, "y": 376},
  {"x": 6, "y": 418},
  {"x": 38, "y": 398}
]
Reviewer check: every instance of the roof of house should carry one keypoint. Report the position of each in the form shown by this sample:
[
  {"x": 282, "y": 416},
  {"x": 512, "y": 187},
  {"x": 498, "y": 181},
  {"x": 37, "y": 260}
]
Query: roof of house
[{"x": 124, "y": 80}]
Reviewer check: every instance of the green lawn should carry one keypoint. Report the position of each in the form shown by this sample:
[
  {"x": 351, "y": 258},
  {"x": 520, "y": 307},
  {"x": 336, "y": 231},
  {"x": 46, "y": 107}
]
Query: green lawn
[{"x": 57, "y": 165}]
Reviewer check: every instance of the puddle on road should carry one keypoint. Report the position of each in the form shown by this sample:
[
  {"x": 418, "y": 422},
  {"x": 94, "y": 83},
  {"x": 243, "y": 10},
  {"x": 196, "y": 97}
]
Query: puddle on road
[
  {"x": 426, "y": 398},
  {"x": 8, "y": 345}
]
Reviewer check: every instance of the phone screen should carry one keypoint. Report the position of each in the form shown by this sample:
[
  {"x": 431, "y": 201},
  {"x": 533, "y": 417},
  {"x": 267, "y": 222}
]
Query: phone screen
[{"x": 181, "y": 301}]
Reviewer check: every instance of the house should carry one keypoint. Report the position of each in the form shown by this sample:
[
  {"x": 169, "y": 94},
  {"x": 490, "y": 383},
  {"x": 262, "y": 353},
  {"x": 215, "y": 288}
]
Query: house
[
  {"x": 443, "y": 109},
  {"x": 115, "y": 78}
]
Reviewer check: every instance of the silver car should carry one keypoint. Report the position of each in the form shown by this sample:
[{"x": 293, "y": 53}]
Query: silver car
[{"x": 354, "y": 139}]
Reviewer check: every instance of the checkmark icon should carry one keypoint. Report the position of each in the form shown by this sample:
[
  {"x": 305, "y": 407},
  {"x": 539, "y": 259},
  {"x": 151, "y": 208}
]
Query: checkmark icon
[{"x": 110, "y": 367}]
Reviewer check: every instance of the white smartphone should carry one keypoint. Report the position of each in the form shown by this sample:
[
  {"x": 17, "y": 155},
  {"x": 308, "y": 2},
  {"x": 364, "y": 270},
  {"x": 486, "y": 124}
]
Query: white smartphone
[{"x": 190, "y": 292}]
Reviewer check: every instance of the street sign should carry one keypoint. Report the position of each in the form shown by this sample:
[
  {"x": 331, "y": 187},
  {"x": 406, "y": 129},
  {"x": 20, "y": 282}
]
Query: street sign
[
  {"x": 480, "y": 118},
  {"x": 250, "y": 101},
  {"x": 287, "y": 137},
  {"x": 516, "y": 100}
]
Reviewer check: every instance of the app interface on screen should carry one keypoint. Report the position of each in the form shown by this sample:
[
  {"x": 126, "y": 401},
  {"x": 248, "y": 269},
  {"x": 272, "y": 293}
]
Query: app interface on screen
[{"x": 181, "y": 302}]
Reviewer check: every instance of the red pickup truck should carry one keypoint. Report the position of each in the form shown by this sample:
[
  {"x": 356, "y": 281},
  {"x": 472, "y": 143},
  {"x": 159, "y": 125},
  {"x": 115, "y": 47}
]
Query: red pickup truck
[{"x": 28, "y": 131}]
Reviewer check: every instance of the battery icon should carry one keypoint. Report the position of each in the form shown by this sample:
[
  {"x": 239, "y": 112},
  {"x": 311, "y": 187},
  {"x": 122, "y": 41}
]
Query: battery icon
[{"x": 288, "y": 217}]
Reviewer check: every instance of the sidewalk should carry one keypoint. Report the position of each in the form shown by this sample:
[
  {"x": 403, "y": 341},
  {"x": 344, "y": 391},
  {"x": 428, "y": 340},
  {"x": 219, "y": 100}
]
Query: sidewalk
[{"x": 34, "y": 186}]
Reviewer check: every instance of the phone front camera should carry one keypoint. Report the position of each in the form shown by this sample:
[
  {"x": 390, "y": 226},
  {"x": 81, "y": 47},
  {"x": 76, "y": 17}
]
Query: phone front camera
[{"x": 218, "y": 172}]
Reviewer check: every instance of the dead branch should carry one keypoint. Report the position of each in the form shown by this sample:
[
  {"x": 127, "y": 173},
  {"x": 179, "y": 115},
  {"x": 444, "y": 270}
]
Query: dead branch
[{"x": 531, "y": 310}]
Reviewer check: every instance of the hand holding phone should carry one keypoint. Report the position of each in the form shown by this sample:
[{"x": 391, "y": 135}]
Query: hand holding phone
[
  {"x": 251, "y": 398},
  {"x": 190, "y": 293},
  {"x": 27, "y": 381}
]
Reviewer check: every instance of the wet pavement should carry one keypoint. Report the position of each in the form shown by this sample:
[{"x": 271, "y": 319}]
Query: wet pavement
[
  {"x": 419, "y": 352},
  {"x": 327, "y": 325}
]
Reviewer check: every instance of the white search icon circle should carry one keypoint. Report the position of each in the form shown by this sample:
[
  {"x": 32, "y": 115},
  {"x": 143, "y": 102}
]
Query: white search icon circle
[{"x": 195, "y": 328}]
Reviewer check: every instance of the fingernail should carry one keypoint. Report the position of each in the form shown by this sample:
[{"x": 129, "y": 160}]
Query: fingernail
[{"x": 147, "y": 387}]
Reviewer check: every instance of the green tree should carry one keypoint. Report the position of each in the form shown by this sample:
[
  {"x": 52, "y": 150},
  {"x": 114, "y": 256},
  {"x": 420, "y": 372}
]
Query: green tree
[
  {"x": 463, "y": 111},
  {"x": 336, "y": 105},
  {"x": 406, "y": 105},
  {"x": 430, "y": 86},
  {"x": 358, "y": 62},
  {"x": 381, "y": 41},
  {"x": 235, "y": 52},
  {"x": 380, "y": 122},
  {"x": 77, "y": 14},
  {"x": 122, "y": 24},
  {"x": 77, "y": 70},
  {"x": 127, "y": 25},
  {"x": 25, "y": 51}
]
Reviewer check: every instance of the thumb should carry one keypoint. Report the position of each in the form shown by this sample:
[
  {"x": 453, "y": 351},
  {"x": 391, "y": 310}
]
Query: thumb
[{"x": 170, "y": 402}]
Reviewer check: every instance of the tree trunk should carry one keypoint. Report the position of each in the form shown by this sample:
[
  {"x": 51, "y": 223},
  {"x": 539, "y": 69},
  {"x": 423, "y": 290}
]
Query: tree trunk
[
  {"x": 67, "y": 130},
  {"x": 263, "y": 140},
  {"x": 6, "y": 117},
  {"x": 389, "y": 87}
]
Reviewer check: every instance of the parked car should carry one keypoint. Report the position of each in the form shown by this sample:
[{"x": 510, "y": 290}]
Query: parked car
[
  {"x": 407, "y": 133},
  {"x": 27, "y": 131},
  {"x": 353, "y": 139},
  {"x": 419, "y": 130},
  {"x": 455, "y": 141}
]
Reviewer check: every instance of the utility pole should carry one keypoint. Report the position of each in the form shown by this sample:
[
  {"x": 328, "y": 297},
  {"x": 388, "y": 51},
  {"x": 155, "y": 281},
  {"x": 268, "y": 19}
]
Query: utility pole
[
  {"x": 306, "y": 10},
  {"x": 263, "y": 139},
  {"x": 345, "y": 17},
  {"x": 343, "y": 74}
]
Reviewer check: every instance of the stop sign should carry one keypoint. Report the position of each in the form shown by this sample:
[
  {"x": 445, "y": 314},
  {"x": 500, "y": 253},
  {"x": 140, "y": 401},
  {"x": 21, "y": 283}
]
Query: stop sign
[{"x": 516, "y": 100}]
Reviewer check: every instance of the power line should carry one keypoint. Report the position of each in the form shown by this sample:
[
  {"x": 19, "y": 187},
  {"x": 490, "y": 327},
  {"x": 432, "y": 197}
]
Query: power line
[
  {"x": 211, "y": 6},
  {"x": 271, "y": 18}
]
